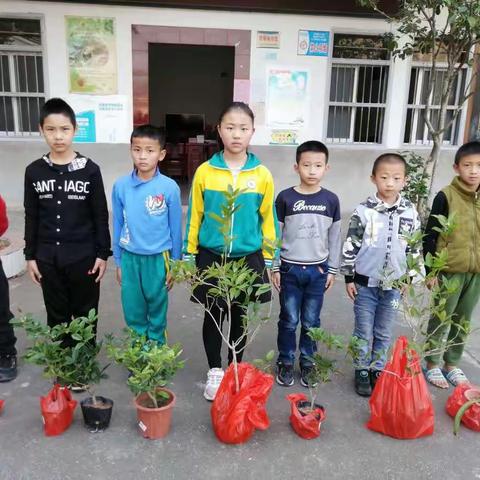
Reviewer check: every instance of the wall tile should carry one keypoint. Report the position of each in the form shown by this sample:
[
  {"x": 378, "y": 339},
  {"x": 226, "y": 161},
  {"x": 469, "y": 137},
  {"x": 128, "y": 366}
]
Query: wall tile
[
  {"x": 140, "y": 62},
  {"x": 241, "y": 39},
  {"x": 192, "y": 36},
  {"x": 215, "y": 36}
]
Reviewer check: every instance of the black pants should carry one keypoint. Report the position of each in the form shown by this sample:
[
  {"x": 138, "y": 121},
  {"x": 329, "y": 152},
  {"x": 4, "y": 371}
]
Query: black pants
[
  {"x": 68, "y": 291},
  {"x": 7, "y": 337},
  {"x": 212, "y": 340}
]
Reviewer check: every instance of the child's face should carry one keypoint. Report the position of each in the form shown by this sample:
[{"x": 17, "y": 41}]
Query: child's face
[
  {"x": 58, "y": 132},
  {"x": 390, "y": 180},
  {"x": 146, "y": 153},
  {"x": 468, "y": 169},
  {"x": 236, "y": 130},
  {"x": 311, "y": 168}
]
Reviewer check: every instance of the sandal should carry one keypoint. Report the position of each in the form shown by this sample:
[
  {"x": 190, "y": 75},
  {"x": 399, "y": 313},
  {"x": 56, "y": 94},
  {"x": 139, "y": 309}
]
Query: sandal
[
  {"x": 456, "y": 376},
  {"x": 436, "y": 377}
]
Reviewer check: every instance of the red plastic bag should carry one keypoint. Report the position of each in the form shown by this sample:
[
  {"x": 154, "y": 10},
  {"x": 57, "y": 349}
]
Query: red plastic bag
[
  {"x": 235, "y": 416},
  {"x": 2, "y": 402},
  {"x": 57, "y": 410},
  {"x": 305, "y": 426},
  {"x": 401, "y": 405},
  {"x": 462, "y": 394}
]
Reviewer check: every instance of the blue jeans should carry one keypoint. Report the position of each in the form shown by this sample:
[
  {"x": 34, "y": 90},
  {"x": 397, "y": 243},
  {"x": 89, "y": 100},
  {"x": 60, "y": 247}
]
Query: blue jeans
[
  {"x": 301, "y": 299},
  {"x": 375, "y": 313}
]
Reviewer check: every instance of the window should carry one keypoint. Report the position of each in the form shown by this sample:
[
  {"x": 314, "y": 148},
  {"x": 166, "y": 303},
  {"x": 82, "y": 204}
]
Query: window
[
  {"x": 416, "y": 131},
  {"x": 22, "y": 90},
  {"x": 358, "y": 89}
]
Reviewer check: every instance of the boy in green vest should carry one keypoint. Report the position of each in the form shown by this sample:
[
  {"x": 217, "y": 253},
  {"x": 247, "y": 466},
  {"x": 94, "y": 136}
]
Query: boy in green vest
[{"x": 462, "y": 198}]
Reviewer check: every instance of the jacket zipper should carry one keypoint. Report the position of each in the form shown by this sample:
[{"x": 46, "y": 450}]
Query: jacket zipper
[
  {"x": 234, "y": 183},
  {"x": 475, "y": 226}
]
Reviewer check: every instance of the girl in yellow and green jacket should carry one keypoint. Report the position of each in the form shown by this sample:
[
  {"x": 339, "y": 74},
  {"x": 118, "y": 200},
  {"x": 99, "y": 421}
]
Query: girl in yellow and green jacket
[{"x": 254, "y": 225}]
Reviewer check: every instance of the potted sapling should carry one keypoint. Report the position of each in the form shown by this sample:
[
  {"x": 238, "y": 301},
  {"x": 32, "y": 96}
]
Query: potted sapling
[
  {"x": 68, "y": 355},
  {"x": 306, "y": 414},
  {"x": 151, "y": 368},
  {"x": 231, "y": 283}
]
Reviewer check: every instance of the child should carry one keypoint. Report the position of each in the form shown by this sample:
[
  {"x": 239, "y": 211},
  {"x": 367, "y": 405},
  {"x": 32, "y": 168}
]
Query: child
[
  {"x": 309, "y": 216},
  {"x": 67, "y": 241},
  {"x": 8, "y": 353},
  {"x": 374, "y": 256},
  {"x": 463, "y": 264},
  {"x": 147, "y": 228},
  {"x": 254, "y": 223}
]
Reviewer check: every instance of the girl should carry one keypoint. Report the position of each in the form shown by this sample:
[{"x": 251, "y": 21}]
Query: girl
[{"x": 254, "y": 225}]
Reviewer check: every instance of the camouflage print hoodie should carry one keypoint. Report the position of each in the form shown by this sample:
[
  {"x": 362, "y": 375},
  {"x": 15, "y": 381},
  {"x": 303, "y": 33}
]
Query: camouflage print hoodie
[{"x": 374, "y": 252}]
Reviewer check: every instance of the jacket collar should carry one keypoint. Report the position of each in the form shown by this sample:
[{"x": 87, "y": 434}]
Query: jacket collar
[
  {"x": 217, "y": 161},
  {"x": 78, "y": 163},
  {"x": 458, "y": 185},
  {"x": 380, "y": 206},
  {"x": 135, "y": 180}
]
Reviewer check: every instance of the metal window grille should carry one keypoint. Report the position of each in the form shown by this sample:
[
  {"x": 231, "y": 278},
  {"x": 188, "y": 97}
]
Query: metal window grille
[
  {"x": 416, "y": 131},
  {"x": 22, "y": 89},
  {"x": 358, "y": 90}
]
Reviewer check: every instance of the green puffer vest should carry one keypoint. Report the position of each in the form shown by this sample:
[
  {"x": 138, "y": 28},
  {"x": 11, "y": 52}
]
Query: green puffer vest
[{"x": 463, "y": 245}]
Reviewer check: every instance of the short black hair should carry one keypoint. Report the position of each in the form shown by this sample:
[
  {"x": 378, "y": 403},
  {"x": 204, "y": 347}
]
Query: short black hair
[
  {"x": 388, "y": 158},
  {"x": 149, "y": 131},
  {"x": 470, "y": 148},
  {"x": 57, "y": 106},
  {"x": 311, "y": 146}
]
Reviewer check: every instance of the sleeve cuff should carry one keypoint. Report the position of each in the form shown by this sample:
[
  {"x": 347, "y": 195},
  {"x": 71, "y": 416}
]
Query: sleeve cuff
[{"x": 349, "y": 278}]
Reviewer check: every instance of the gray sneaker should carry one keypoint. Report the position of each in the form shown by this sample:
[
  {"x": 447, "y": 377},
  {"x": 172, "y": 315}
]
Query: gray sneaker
[{"x": 285, "y": 375}]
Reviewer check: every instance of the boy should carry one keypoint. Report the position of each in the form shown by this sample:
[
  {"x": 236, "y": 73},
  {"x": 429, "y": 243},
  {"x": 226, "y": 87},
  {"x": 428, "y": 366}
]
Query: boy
[
  {"x": 374, "y": 256},
  {"x": 147, "y": 229},
  {"x": 463, "y": 264},
  {"x": 67, "y": 241},
  {"x": 8, "y": 353},
  {"x": 309, "y": 216}
]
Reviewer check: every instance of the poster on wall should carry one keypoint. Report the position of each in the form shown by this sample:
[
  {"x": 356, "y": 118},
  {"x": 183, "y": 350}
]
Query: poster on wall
[
  {"x": 266, "y": 39},
  {"x": 92, "y": 55},
  {"x": 287, "y": 96},
  {"x": 313, "y": 43},
  {"x": 283, "y": 137},
  {"x": 101, "y": 119}
]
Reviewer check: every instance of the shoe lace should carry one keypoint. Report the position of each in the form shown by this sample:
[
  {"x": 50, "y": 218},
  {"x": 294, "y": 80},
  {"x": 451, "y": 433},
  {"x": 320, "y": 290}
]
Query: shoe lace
[{"x": 215, "y": 377}]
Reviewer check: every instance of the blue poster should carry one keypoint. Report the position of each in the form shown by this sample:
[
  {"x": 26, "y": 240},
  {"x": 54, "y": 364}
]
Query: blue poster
[
  {"x": 313, "y": 43},
  {"x": 86, "y": 132}
]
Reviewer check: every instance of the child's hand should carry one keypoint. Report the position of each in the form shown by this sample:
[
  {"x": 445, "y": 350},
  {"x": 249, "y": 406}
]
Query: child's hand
[
  {"x": 330, "y": 281},
  {"x": 118, "y": 275},
  {"x": 169, "y": 282},
  {"x": 100, "y": 267},
  {"x": 34, "y": 272},
  {"x": 351, "y": 290},
  {"x": 276, "y": 280},
  {"x": 432, "y": 283}
]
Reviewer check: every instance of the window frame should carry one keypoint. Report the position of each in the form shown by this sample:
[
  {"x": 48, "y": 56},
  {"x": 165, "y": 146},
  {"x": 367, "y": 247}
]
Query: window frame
[
  {"x": 417, "y": 108},
  {"x": 10, "y": 51},
  {"x": 356, "y": 63}
]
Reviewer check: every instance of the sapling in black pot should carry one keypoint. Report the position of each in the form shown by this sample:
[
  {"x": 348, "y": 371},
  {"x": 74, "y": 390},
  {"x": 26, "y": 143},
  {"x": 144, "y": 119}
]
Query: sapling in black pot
[{"x": 68, "y": 354}]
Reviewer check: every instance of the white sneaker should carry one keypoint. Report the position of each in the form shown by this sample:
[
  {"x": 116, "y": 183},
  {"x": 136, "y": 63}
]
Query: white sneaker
[{"x": 214, "y": 379}]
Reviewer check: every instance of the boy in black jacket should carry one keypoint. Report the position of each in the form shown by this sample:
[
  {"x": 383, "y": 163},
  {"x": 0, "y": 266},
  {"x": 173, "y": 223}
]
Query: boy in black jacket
[{"x": 67, "y": 241}]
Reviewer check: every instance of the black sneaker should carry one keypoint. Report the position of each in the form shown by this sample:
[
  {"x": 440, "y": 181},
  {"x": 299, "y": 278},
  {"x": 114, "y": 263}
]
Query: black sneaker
[
  {"x": 305, "y": 380},
  {"x": 374, "y": 376},
  {"x": 362, "y": 382},
  {"x": 285, "y": 375},
  {"x": 8, "y": 368}
]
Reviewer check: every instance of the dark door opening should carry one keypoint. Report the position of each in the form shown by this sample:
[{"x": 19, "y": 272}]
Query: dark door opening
[{"x": 195, "y": 81}]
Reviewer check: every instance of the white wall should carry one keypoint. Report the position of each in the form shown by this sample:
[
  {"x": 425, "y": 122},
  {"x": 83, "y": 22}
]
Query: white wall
[{"x": 288, "y": 25}]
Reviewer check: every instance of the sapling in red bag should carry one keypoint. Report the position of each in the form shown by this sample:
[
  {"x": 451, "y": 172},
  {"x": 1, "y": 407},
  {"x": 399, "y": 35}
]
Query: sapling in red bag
[
  {"x": 401, "y": 405},
  {"x": 305, "y": 420},
  {"x": 237, "y": 414},
  {"x": 57, "y": 410},
  {"x": 464, "y": 405}
]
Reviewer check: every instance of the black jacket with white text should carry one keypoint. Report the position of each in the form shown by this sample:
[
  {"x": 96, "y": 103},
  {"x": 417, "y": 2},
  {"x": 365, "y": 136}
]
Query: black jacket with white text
[{"x": 66, "y": 215}]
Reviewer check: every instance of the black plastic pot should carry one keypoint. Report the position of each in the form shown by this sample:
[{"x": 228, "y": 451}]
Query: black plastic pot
[
  {"x": 306, "y": 404},
  {"x": 97, "y": 418}
]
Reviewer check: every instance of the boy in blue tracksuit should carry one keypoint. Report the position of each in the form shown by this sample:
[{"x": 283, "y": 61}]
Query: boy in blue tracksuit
[{"x": 147, "y": 232}]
